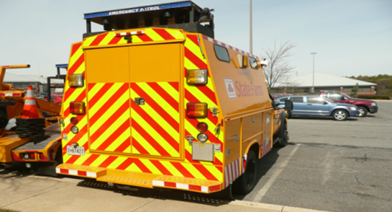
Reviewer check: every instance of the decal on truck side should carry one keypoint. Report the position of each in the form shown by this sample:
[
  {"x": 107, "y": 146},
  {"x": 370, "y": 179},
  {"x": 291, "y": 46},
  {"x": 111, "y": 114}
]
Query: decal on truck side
[{"x": 230, "y": 88}]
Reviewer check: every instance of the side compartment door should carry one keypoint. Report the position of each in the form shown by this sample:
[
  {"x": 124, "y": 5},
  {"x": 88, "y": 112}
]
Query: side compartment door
[
  {"x": 155, "y": 99},
  {"x": 108, "y": 106}
]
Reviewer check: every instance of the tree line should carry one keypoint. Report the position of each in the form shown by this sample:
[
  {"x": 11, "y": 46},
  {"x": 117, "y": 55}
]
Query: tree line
[{"x": 383, "y": 81}]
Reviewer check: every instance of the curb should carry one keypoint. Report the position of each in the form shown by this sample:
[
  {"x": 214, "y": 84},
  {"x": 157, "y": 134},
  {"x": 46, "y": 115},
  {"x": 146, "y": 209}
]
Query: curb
[{"x": 271, "y": 207}]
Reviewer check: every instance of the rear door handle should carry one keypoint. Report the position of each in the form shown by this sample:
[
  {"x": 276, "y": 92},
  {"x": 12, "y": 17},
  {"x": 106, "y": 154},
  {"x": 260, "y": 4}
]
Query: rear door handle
[
  {"x": 309, "y": 104},
  {"x": 140, "y": 101}
]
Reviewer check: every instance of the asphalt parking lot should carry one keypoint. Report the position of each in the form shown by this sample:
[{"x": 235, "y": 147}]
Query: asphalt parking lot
[
  {"x": 331, "y": 165},
  {"x": 328, "y": 165}
]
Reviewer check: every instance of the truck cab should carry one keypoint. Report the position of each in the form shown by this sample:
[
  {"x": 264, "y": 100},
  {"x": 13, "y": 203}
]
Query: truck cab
[{"x": 364, "y": 106}]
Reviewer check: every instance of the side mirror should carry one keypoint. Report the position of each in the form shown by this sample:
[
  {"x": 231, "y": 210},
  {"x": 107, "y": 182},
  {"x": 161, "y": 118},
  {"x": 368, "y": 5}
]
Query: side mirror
[
  {"x": 288, "y": 105},
  {"x": 325, "y": 103},
  {"x": 343, "y": 98}
]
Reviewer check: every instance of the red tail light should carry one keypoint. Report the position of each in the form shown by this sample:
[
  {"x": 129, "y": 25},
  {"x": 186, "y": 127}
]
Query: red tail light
[
  {"x": 41, "y": 156},
  {"x": 202, "y": 127},
  {"x": 32, "y": 155},
  {"x": 74, "y": 120},
  {"x": 77, "y": 108}
]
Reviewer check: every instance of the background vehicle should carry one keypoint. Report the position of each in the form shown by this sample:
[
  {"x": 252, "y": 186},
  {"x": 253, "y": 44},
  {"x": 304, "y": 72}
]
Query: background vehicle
[
  {"x": 57, "y": 98},
  {"x": 319, "y": 106},
  {"x": 364, "y": 106},
  {"x": 34, "y": 141},
  {"x": 277, "y": 95},
  {"x": 41, "y": 95}
]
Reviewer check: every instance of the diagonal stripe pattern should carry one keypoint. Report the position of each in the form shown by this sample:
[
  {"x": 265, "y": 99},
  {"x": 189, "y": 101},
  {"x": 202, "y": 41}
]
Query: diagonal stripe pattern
[
  {"x": 194, "y": 59},
  {"x": 151, "y": 35},
  {"x": 155, "y": 125},
  {"x": 109, "y": 117},
  {"x": 149, "y": 130}
]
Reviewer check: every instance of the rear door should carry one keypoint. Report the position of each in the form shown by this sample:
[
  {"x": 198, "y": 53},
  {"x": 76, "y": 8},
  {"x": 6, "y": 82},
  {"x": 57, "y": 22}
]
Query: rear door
[
  {"x": 299, "y": 105},
  {"x": 108, "y": 106},
  {"x": 155, "y": 99},
  {"x": 316, "y": 106},
  {"x": 134, "y": 100}
]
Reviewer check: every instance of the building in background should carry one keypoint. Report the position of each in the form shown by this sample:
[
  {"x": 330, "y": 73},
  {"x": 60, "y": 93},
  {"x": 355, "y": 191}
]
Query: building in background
[
  {"x": 304, "y": 84},
  {"x": 39, "y": 83}
]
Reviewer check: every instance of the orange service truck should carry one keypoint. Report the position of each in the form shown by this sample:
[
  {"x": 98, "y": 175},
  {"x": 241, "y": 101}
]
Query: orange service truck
[{"x": 155, "y": 101}]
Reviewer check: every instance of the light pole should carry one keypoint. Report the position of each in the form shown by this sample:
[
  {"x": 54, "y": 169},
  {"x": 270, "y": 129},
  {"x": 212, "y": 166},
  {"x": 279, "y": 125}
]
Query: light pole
[
  {"x": 313, "y": 53},
  {"x": 250, "y": 28}
]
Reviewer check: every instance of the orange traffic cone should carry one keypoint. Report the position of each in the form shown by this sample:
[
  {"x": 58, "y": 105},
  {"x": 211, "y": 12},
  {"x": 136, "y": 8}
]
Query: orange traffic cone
[
  {"x": 32, "y": 123},
  {"x": 30, "y": 110}
]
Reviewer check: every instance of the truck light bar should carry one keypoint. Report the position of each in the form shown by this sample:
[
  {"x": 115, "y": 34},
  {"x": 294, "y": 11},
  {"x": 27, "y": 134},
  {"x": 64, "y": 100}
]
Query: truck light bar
[{"x": 122, "y": 34}]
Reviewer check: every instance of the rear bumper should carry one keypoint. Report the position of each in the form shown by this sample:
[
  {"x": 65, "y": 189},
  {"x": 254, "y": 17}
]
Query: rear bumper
[
  {"x": 373, "y": 109},
  {"x": 140, "y": 179}
]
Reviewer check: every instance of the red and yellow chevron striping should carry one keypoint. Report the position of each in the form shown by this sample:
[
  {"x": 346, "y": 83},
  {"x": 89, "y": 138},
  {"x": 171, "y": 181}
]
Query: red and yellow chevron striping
[
  {"x": 115, "y": 124},
  {"x": 155, "y": 125},
  {"x": 194, "y": 59},
  {"x": 150, "y": 35},
  {"x": 109, "y": 117}
]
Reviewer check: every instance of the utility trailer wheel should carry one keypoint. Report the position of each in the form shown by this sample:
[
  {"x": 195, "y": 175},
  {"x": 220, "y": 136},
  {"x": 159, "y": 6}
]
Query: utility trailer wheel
[{"x": 247, "y": 181}]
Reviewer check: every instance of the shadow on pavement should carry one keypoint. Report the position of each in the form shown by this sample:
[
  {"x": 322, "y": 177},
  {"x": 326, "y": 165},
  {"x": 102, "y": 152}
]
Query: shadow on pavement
[
  {"x": 158, "y": 193},
  {"x": 216, "y": 199},
  {"x": 15, "y": 171},
  {"x": 264, "y": 165}
]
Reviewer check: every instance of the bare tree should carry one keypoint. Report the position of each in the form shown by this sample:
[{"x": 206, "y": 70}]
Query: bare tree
[{"x": 278, "y": 69}]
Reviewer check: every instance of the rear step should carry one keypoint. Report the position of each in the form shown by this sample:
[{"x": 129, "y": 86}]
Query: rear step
[{"x": 140, "y": 179}]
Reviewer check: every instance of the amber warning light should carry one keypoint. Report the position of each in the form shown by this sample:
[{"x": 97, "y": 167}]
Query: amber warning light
[
  {"x": 196, "y": 77},
  {"x": 77, "y": 108},
  {"x": 75, "y": 80},
  {"x": 196, "y": 110}
]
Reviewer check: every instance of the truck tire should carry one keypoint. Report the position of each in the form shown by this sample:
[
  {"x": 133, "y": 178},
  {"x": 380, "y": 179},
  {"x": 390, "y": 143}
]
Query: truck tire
[
  {"x": 247, "y": 181},
  {"x": 340, "y": 115},
  {"x": 362, "y": 111},
  {"x": 283, "y": 134}
]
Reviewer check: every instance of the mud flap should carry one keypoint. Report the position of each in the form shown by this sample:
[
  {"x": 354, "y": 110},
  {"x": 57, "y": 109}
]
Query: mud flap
[{"x": 3, "y": 113}]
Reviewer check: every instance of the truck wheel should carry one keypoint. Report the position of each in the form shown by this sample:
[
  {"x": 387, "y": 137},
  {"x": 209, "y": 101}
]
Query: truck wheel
[
  {"x": 362, "y": 111},
  {"x": 339, "y": 115},
  {"x": 283, "y": 134},
  {"x": 247, "y": 181}
]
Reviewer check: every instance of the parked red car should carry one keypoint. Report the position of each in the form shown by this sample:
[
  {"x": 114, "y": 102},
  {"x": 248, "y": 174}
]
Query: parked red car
[
  {"x": 365, "y": 106},
  {"x": 57, "y": 98}
]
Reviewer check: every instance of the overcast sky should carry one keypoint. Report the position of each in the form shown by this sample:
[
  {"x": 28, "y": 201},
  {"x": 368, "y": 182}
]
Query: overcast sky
[{"x": 351, "y": 37}]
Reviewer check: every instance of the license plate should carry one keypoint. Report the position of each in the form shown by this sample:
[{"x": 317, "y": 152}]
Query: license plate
[{"x": 79, "y": 150}]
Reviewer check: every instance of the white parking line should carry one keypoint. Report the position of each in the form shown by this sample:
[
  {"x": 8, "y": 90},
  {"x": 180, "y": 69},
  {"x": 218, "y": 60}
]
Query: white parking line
[{"x": 274, "y": 176}]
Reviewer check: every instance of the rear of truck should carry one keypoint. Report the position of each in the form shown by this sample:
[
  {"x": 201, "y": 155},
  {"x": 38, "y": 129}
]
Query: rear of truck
[
  {"x": 156, "y": 107},
  {"x": 129, "y": 115}
]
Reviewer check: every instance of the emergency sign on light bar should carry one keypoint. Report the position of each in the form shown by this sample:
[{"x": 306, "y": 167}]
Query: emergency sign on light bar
[
  {"x": 196, "y": 77},
  {"x": 75, "y": 80}
]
